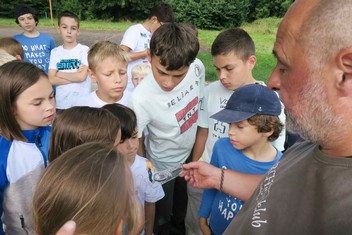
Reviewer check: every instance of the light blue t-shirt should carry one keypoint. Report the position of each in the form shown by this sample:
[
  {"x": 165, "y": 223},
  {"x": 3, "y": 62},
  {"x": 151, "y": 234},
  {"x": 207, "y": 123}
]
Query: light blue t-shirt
[{"x": 37, "y": 50}]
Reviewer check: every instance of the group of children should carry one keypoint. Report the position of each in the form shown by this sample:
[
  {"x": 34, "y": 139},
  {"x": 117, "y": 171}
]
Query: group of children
[{"x": 99, "y": 137}]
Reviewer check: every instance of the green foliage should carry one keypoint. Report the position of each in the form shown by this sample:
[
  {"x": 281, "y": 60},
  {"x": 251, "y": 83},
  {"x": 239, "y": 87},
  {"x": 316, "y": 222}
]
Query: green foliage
[
  {"x": 209, "y": 14},
  {"x": 266, "y": 8},
  {"x": 205, "y": 14}
]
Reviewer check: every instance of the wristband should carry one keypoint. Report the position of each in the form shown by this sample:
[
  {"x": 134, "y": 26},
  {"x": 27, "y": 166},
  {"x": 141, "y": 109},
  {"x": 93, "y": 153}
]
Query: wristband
[{"x": 222, "y": 178}]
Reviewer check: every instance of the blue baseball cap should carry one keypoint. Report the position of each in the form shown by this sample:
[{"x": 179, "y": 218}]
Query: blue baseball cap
[{"x": 248, "y": 101}]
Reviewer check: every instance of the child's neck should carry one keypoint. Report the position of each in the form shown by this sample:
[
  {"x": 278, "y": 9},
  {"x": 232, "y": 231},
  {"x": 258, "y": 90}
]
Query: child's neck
[
  {"x": 147, "y": 25},
  {"x": 261, "y": 152},
  {"x": 70, "y": 45},
  {"x": 31, "y": 34}
]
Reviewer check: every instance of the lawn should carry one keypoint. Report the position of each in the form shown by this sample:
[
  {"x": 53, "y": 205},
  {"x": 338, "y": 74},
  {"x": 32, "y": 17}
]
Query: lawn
[{"x": 262, "y": 31}]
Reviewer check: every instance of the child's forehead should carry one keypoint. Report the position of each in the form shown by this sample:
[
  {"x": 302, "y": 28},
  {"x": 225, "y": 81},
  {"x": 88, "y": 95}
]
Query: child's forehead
[
  {"x": 68, "y": 20},
  {"x": 110, "y": 61},
  {"x": 26, "y": 15}
]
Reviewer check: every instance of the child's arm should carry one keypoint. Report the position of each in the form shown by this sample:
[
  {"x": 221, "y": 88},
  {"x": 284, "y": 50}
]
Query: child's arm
[
  {"x": 134, "y": 55},
  {"x": 79, "y": 76},
  {"x": 149, "y": 209},
  {"x": 199, "y": 145},
  {"x": 55, "y": 80},
  {"x": 203, "y": 225}
]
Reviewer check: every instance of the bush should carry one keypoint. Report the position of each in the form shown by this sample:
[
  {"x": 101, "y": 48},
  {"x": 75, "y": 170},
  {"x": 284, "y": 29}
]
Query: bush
[{"x": 208, "y": 14}]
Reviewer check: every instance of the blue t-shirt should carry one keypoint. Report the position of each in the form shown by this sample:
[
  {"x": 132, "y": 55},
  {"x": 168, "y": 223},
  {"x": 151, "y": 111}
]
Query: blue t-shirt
[
  {"x": 37, "y": 50},
  {"x": 222, "y": 207}
]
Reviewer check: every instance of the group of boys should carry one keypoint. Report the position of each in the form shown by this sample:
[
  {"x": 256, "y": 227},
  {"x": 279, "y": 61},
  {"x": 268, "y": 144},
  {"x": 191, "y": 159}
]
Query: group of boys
[{"x": 172, "y": 104}]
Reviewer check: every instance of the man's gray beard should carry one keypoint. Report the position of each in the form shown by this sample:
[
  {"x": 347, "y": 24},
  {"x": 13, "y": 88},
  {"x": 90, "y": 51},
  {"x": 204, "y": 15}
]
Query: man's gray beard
[{"x": 316, "y": 122}]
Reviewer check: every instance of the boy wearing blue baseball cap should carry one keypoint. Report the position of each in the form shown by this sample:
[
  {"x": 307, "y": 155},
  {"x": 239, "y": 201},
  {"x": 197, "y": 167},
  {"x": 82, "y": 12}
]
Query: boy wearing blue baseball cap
[{"x": 252, "y": 113}]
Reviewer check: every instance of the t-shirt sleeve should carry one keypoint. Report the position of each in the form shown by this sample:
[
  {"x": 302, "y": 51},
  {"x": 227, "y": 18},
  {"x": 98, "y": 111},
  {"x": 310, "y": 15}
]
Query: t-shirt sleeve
[
  {"x": 209, "y": 194},
  {"x": 84, "y": 55},
  {"x": 139, "y": 108},
  {"x": 130, "y": 38},
  {"x": 53, "y": 61}
]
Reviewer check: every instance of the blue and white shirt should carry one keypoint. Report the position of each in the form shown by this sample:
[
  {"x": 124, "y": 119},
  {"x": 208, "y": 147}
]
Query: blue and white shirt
[{"x": 21, "y": 165}]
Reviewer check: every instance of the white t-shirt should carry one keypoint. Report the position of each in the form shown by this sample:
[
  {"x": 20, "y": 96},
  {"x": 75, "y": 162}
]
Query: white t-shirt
[
  {"x": 137, "y": 38},
  {"x": 146, "y": 190},
  {"x": 215, "y": 99},
  {"x": 92, "y": 100},
  {"x": 68, "y": 61},
  {"x": 171, "y": 117}
]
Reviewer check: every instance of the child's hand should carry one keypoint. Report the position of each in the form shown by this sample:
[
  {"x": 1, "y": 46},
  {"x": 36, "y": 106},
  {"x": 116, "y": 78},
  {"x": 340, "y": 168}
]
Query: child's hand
[
  {"x": 204, "y": 226},
  {"x": 82, "y": 68}
]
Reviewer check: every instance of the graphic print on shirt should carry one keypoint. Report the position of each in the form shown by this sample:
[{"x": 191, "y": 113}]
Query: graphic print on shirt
[
  {"x": 68, "y": 64},
  {"x": 188, "y": 115},
  {"x": 220, "y": 128},
  {"x": 230, "y": 207},
  {"x": 36, "y": 54},
  {"x": 258, "y": 218}
]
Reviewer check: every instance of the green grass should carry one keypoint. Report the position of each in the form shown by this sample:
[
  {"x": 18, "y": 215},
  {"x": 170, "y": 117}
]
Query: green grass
[{"x": 262, "y": 31}]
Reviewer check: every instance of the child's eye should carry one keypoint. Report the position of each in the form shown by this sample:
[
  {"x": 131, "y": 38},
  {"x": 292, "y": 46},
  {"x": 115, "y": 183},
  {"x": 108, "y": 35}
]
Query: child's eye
[{"x": 37, "y": 104}]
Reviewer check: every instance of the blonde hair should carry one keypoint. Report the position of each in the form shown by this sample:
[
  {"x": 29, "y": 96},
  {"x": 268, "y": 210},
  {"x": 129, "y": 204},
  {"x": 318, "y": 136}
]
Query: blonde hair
[
  {"x": 140, "y": 69},
  {"x": 105, "y": 49},
  {"x": 78, "y": 125},
  {"x": 92, "y": 185},
  {"x": 12, "y": 46},
  {"x": 5, "y": 57}
]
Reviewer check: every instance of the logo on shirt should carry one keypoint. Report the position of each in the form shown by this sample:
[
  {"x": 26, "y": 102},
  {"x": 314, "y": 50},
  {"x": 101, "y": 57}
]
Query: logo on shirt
[
  {"x": 188, "y": 116},
  {"x": 68, "y": 64},
  {"x": 143, "y": 35},
  {"x": 260, "y": 209}
]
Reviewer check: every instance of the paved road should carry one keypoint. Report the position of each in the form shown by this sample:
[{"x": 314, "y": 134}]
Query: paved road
[{"x": 86, "y": 37}]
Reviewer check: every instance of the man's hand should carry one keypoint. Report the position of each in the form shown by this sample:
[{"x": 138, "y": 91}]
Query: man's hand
[{"x": 201, "y": 175}]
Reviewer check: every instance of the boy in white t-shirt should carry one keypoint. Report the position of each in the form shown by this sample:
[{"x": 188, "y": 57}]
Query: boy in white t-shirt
[
  {"x": 108, "y": 69},
  {"x": 68, "y": 68},
  {"x": 136, "y": 39},
  {"x": 166, "y": 103},
  {"x": 148, "y": 191}
]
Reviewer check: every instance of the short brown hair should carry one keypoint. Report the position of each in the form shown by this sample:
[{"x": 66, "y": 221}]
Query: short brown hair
[
  {"x": 175, "y": 44},
  {"x": 78, "y": 125},
  {"x": 267, "y": 123},
  {"x": 91, "y": 184},
  {"x": 163, "y": 12},
  {"x": 101, "y": 50},
  {"x": 15, "y": 78},
  {"x": 12, "y": 46},
  {"x": 68, "y": 14}
]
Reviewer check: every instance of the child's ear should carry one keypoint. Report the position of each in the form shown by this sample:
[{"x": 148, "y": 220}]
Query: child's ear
[
  {"x": 148, "y": 56},
  {"x": 92, "y": 75},
  {"x": 252, "y": 60},
  {"x": 18, "y": 57},
  {"x": 58, "y": 29}
]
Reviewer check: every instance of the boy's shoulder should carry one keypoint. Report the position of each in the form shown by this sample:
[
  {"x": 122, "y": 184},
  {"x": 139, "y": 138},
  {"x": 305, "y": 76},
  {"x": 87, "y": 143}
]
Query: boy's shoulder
[{"x": 44, "y": 35}]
